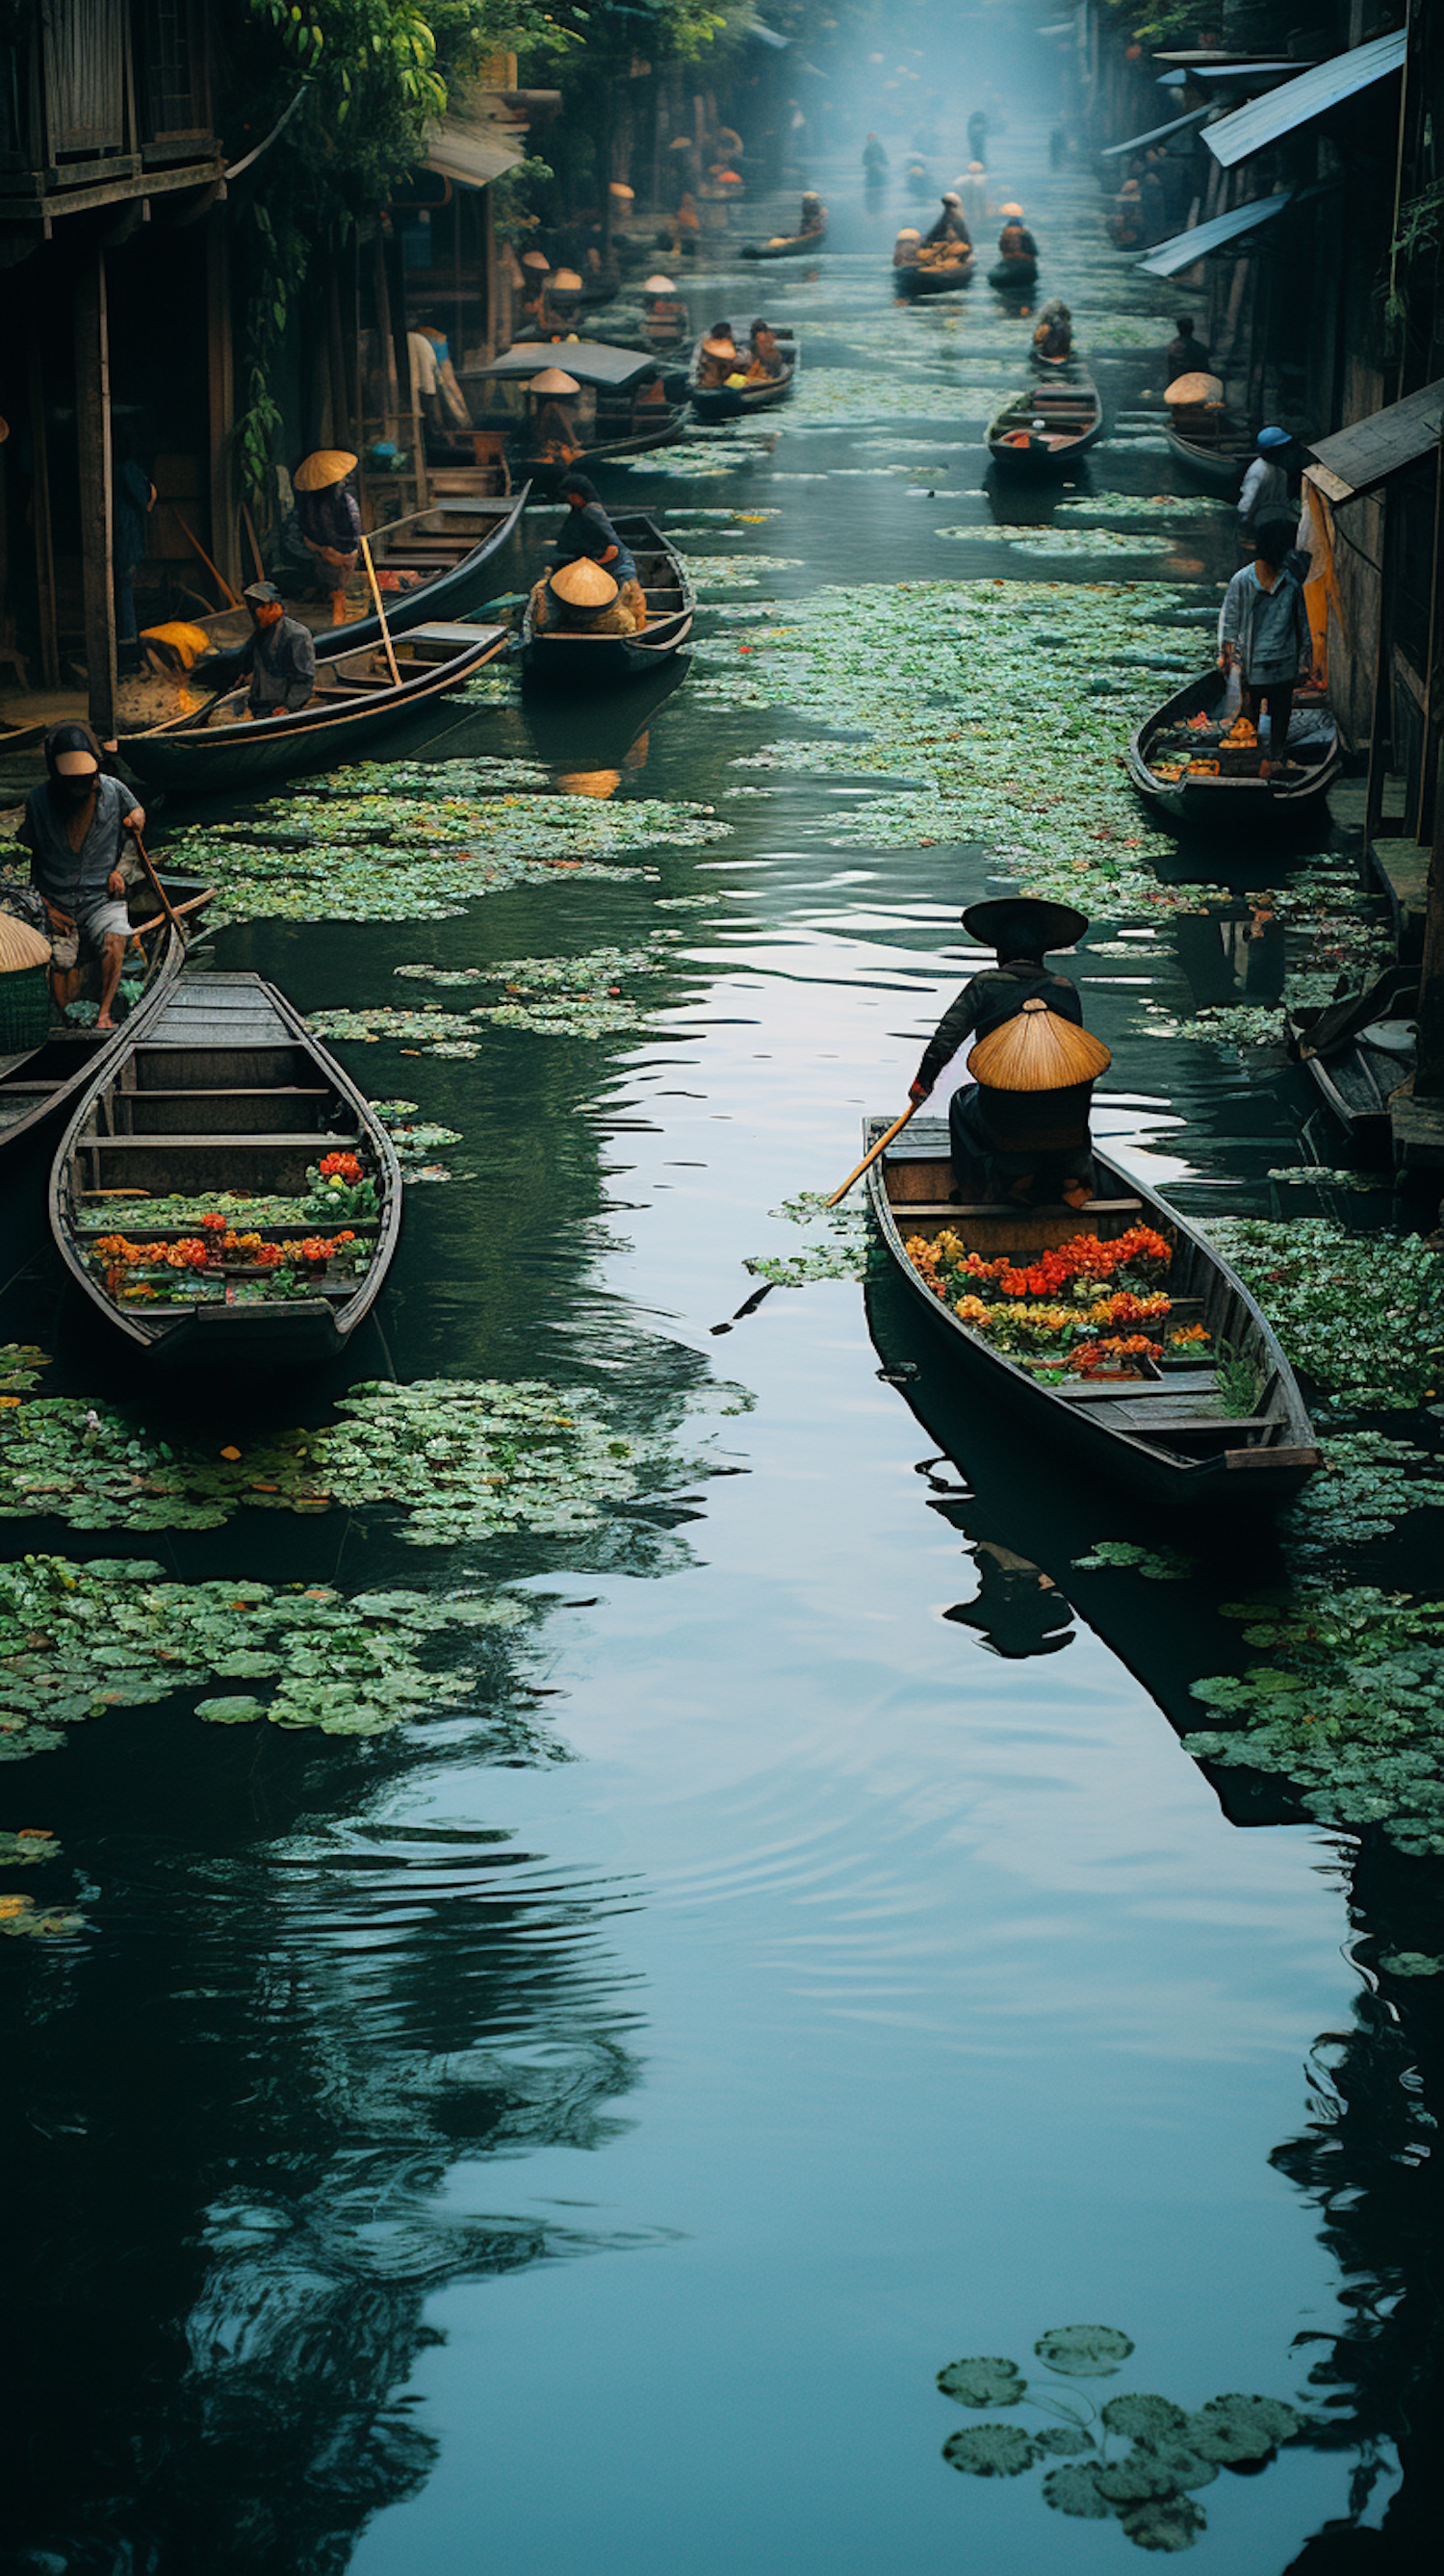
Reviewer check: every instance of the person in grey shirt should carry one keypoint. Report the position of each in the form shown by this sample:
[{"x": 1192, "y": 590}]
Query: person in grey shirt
[
  {"x": 74, "y": 828},
  {"x": 280, "y": 656},
  {"x": 1263, "y": 632},
  {"x": 1265, "y": 493}
]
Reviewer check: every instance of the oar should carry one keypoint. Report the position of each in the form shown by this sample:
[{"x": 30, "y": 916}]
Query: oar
[
  {"x": 249, "y": 525},
  {"x": 218, "y": 577},
  {"x": 380, "y": 611},
  {"x": 871, "y": 1157},
  {"x": 166, "y": 905}
]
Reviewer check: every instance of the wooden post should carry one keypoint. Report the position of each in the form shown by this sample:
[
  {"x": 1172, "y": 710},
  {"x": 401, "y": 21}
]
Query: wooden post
[
  {"x": 343, "y": 428},
  {"x": 221, "y": 399},
  {"x": 92, "y": 413},
  {"x": 388, "y": 341},
  {"x": 1429, "y": 1059},
  {"x": 40, "y": 506}
]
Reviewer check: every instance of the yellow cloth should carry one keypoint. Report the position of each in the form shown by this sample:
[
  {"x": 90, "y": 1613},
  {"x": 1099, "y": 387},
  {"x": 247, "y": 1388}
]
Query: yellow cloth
[{"x": 185, "y": 643}]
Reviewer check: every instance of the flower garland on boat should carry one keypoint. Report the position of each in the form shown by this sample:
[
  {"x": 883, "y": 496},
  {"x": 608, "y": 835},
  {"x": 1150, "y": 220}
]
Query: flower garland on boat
[{"x": 1062, "y": 1310}]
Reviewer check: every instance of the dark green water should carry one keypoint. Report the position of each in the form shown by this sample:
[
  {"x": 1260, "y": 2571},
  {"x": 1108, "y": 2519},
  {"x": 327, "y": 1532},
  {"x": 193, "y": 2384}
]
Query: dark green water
[{"x": 581, "y": 2144}]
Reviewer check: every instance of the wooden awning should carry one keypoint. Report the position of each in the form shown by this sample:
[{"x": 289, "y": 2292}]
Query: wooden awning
[{"x": 1356, "y": 460}]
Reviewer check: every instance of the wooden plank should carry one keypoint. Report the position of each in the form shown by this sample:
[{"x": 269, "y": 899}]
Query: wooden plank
[
  {"x": 220, "y": 402},
  {"x": 275, "y": 1140},
  {"x": 40, "y": 507},
  {"x": 92, "y": 404}
]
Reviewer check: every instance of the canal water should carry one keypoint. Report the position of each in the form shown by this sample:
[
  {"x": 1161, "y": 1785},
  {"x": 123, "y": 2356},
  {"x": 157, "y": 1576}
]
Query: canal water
[{"x": 576, "y": 2128}]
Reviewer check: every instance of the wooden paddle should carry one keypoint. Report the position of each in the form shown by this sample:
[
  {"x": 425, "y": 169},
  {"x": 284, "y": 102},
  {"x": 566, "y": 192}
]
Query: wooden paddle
[
  {"x": 249, "y": 525},
  {"x": 871, "y": 1157},
  {"x": 380, "y": 611},
  {"x": 158, "y": 889},
  {"x": 218, "y": 577}
]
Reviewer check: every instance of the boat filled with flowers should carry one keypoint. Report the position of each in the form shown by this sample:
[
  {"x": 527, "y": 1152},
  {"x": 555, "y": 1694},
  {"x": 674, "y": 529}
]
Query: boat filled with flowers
[
  {"x": 1116, "y": 1330},
  {"x": 225, "y": 1194}
]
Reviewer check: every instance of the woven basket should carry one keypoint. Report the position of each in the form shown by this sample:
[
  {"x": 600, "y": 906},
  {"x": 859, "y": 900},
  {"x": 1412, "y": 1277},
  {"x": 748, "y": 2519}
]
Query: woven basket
[{"x": 24, "y": 1009}]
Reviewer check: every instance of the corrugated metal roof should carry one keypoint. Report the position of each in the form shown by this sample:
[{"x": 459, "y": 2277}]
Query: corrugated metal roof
[
  {"x": 1356, "y": 460},
  {"x": 471, "y": 150},
  {"x": 1231, "y": 75},
  {"x": 1155, "y": 134},
  {"x": 1250, "y": 129},
  {"x": 1185, "y": 248}
]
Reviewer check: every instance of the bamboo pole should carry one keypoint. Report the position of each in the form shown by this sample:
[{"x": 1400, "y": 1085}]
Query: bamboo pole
[
  {"x": 871, "y": 1156},
  {"x": 219, "y": 577},
  {"x": 250, "y": 527},
  {"x": 380, "y": 611},
  {"x": 157, "y": 888}
]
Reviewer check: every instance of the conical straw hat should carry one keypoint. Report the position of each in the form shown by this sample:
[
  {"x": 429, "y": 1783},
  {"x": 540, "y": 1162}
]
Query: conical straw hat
[
  {"x": 1194, "y": 389},
  {"x": 1013, "y": 210},
  {"x": 584, "y": 584},
  {"x": 619, "y": 188},
  {"x": 328, "y": 465},
  {"x": 566, "y": 282},
  {"x": 535, "y": 259},
  {"x": 719, "y": 348},
  {"x": 20, "y": 946},
  {"x": 658, "y": 286},
  {"x": 552, "y": 381},
  {"x": 1037, "y": 1051}
]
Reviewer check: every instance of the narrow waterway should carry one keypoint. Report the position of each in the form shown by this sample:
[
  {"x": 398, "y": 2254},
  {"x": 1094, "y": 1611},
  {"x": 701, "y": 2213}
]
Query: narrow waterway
[{"x": 577, "y": 2127}]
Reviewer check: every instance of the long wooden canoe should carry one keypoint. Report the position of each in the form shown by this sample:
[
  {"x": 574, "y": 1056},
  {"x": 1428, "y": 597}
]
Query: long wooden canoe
[
  {"x": 1198, "y": 795},
  {"x": 355, "y": 704},
  {"x": 585, "y": 661},
  {"x": 40, "y": 1085},
  {"x": 451, "y": 550},
  {"x": 1213, "y": 450},
  {"x": 1166, "y": 1432},
  {"x": 221, "y": 1089},
  {"x": 728, "y": 402},
  {"x": 1044, "y": 431},
  {"x": 1357, "y": 1050},
  {"x": 787, "y": 246},
  {"x": 942, "y": 277}
]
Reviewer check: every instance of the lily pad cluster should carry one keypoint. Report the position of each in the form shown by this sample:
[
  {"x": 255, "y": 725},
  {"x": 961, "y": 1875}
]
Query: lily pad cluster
[
  {"x": 1348, "y": 1706},
  {"x": 1361, "y": 1314},
  {"x": 842, "y": 1251},
  {"x": 78, "y": 1639},
  {"x": 458, "y": 1458},
  {"x": 1138, "y": 2460}
]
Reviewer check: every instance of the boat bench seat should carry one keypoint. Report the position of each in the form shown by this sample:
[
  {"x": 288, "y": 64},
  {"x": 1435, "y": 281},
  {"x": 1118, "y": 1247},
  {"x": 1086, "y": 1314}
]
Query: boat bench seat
[
  {"x": 951, "y": 1207},
  {"x": 309, "y": 1137}
]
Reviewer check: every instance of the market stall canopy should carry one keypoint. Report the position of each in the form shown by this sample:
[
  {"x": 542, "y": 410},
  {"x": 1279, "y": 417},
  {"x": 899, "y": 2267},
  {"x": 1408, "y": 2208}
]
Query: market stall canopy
[
  {"x": 1354, "y": 461},
  {"x": 590, "y": 361},
  {"x": 1185, "y": 248},
  {"x": 471, "y": 150},
  {"x": 1155, "y": 134},
  {"x": 1251, "y": 129}
]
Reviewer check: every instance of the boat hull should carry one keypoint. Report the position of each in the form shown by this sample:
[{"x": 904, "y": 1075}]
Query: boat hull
[
  {"x": 1211, "y": 471},
  {"x": 559, "y": 657},
  {"x": 799, "y": 246},
  {"x": 1244, "y": 804},
  {"x": 913, "y": 283}
]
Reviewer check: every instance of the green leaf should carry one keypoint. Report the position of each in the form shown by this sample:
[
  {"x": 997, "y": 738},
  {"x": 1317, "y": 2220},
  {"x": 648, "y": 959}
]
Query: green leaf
[
  {"x": 1084, "y": 2352},
  {"x": 989, "y": 2451},
  {"x": 1168, "y": 2525},
  {"x": 1064, "y": 2441},
  {"x": 1230, "y": 2429},
  {"x": 235, "y": 1711},
  {"x": 1075, "y": 2492},
  {"x": 984, "y": 2382},
  {"x": 1144, "y": 2419},
  {"x": 1135, "y": 2480}
]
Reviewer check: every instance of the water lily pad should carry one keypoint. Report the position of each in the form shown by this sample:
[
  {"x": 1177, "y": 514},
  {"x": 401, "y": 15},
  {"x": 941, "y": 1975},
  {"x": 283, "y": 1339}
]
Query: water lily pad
[
  {"x": 1075, "y": 2491},
  {"x": 1084, "y": 2352},
  {"x": 1134, "y": 2480},
  {"x": 1064, "y": 2441},
  {"x": 984, "y": 2382},
  {"x": 1144, "y": 2419},
  {"x": 1230, "y": 2429},
  {"x": 1168, "y": 2526},
  {"x": 237, "y": 1710},
  {"x": 989, "y": 2451}
]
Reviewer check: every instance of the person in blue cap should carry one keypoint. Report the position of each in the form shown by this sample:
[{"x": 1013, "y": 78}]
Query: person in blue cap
[{"x": 1265, "y": 493}]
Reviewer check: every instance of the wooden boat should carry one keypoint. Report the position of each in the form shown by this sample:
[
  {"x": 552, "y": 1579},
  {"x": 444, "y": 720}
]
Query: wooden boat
[
  {"x": 451, "y": 548},
  {"x": 1072, "y": 421},
  {"x": 943, "y": 277},
  {"x": 1013, "y": 276},
  {"x": 630, "y": 400},
  {"x": 1165, "y": 1432},
  {"x": 570, "y": 654},
  {"x": 221, "y": 1088},
  {"x": 1200, "y": 796},
  {"x": 40, "y": 1085},
  {"x": 356, "y": 702},
  {"x": 1211, "y": 448},
  {"x": 1357, "y": 1050},
  {"x": 787, "y": 246},
  {"x": 726, "y": 402}
]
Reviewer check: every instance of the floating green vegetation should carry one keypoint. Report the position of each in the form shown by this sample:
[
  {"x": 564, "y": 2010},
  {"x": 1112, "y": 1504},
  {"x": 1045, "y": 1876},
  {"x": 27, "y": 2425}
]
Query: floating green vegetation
[
  {"x": 459, "y": 1458},
  {"x": 1140, "y": 505},
  {"x": 22, "y": 1918},
  {"x": 981, "y": 696},
  {"x": 1361, "y": 1314},
  {"x": 593, "y": 972},
  {"x": 1137, "y": 2460},
  {"x": 32, "y": 1844},
  {"x": 841, "y": 1252},
  {"x": 404, "y": 841},
  {"x": 1156, "y": 1565},
  {"x": 832, "y": 397},
  {"x": 1062, "y": 542},
  {"x": 737, "y": 572},
  {"x": 694, "y": 462},
  {"x": 576, "y": 997},
  {"x": 1368, "y": 1485},
  {"x": 1235, "y": 1024},
  {"x": 1325, "y": 1175},
  {"x": 78, "y": 1639},
  {"x": 1349, "y": 1707}
]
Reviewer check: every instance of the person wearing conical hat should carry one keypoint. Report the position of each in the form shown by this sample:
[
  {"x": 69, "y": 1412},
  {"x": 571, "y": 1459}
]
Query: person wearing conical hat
[
  {"x": 1023, "y": 1142},
  {"x": 951, "y": 225},
  {"x": 1053, "y": 338},
  {"x": 814, "y": 215},
  {"x": 328, "y": 523},
  {"x": 719, "y": 356},
  {"x": 1015, "y": 241},
  {"x": 581, "y": 596},
  {"x": 905, "y": 249},
  {"x": 664, "y": 315},
  {"x": 587, "y": 535}
]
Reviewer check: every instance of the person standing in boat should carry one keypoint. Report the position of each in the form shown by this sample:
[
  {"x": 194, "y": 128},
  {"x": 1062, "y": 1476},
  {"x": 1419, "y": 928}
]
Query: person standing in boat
[
  {"x": 1265, "y": 493},
  {"x": 74, "y": 828},
  {"x": 279, "y": 656},
  {"x": 1186, "y": 354},
  {"x": 1015, "y": 240},
  {"x": 1053, "y": 338},
  {"x": 1031, "y": 1145},
  {"x": 814, "y": 216},
  {"x": 328, "y": 523},
  {"x": 1264, "y": 634}
]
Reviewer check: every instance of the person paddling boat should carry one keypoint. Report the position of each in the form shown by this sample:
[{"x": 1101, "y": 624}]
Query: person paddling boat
[{"x": 1020, "y": 1130}]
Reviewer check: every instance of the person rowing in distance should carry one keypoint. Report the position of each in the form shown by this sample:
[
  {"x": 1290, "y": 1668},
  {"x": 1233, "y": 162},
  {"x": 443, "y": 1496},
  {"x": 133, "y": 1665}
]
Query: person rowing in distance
[
  {"x": 1028, "y": 1142},
  {"x": 74, "y": 828}
]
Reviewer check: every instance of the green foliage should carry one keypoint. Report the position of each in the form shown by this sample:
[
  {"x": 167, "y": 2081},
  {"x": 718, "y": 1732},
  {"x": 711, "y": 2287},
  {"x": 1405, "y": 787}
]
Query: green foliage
[
  {"x": 1363, "y": 1314},
  {"x": 1156, "y": 1565},
  {"x": 843, "y": 1251},
  {"x": 1147, "y": 2487}
]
